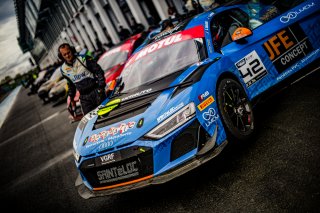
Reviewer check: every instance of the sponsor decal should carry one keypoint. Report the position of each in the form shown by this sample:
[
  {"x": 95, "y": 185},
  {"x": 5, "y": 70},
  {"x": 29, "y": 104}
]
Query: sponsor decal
[
  {"x": 206, "y": 26},
  {"x": 297, "y": 66},
  {"x": 209, "y": 45},
  {"x": 137, "y": 94},
  {"x": 210, "y": 117},
  {"x": 108, "y": 158},
  {"x": 169, "y": 112},
  {"x": 119, "y": 136},
  {"x": 287, "y": 47},
  {"x": 113, "y": 131},
  {"x": 270, "y": 13},
  {"x": 195, "y": 32},
  {"x": 251, "y": 68},
  {"x": 206, "y": 103},
  {"x": 165, "y": 42},
  {"x": 167, "y": 32},
  {"x": 203, "y": 96},
  {"x": 140, "y": 123},
  {"x": 116, "y": 173},
  {"x": 294, "y": 14}
]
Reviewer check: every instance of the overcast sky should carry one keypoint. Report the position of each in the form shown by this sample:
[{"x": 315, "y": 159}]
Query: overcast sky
[{"x": 12, "y": 60}]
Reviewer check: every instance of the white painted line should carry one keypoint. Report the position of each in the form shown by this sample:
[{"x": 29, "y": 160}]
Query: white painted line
[
  {"x": 36, "y": 171},
  {"x": 30, "y": 128}
]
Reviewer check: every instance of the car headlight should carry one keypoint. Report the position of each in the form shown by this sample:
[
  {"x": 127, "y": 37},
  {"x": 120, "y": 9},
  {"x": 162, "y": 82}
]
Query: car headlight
[
  {"x": 173, "y": 122},
  {"x": 82, "y": 124}
]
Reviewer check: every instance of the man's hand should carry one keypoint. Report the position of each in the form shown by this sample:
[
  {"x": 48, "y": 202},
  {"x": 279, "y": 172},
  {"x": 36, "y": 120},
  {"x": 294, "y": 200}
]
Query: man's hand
[{"x": 73, "y": 103}]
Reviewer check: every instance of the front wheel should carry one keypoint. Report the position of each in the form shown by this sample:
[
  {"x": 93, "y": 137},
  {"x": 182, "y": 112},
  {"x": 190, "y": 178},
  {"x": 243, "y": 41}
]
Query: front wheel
[{"x": 235, "y": 109}]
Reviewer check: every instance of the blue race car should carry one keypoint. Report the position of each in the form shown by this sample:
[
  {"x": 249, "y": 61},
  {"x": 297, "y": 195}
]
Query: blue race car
[{"x": 190, "y": 90}]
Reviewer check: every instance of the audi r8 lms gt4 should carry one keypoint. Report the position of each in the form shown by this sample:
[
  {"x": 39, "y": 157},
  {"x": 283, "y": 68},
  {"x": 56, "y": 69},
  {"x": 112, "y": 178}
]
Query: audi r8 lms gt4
[{"x": 183, "y": 96}]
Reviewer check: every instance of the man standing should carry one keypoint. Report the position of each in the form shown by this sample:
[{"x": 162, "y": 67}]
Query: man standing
[{"x": 82, "y": 74}]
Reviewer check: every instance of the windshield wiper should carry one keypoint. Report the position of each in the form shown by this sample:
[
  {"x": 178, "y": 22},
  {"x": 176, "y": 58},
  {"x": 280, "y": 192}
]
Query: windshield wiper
[{"x": 183, "y": 84}]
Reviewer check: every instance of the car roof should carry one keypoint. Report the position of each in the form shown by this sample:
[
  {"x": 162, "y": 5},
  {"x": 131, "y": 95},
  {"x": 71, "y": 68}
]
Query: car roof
[{"x": 126, "y": 45}]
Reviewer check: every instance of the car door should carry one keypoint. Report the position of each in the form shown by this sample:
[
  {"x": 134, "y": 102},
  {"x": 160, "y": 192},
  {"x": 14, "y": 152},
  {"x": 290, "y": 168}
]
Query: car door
[{"x": 276, "y": 45}]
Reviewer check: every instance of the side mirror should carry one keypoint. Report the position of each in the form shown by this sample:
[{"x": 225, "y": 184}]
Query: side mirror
[
  {"x": 241, "y": 33},
  {"x": 112, "y": 85}
]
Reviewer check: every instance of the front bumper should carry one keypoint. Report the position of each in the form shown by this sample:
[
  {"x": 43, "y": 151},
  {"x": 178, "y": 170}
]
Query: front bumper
[{"x": 196, "y": 161}]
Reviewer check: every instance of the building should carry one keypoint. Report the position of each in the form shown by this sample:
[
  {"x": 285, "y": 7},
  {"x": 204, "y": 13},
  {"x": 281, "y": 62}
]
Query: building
[{"x": 44, "y": 24}]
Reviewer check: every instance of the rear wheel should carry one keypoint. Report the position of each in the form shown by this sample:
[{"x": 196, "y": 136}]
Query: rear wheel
[{"x": 236, "y": 110}]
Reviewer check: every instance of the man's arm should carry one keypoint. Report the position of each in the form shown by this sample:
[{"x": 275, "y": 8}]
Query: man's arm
[
  {"x": 71, "y": 89},
  {"x": 95, "y": 68}
]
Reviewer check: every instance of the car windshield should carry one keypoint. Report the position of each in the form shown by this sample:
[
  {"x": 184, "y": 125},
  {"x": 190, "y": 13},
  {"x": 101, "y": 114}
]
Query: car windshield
[
  {"x": 161, "y": 63},
  {"x": 109, "y": 61}
]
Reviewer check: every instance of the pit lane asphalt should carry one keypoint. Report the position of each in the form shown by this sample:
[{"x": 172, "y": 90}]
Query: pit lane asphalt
[{"x": 277, "y": 171}]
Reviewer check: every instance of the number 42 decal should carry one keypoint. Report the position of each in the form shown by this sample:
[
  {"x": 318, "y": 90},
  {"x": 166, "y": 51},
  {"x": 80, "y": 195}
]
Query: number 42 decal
[{"x": 251, "y": 68}]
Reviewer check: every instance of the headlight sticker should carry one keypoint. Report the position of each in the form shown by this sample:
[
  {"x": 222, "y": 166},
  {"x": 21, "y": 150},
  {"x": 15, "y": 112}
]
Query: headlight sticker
[
  {"x": 172, "y": 122},
  {"x": 169, "y": 112}
]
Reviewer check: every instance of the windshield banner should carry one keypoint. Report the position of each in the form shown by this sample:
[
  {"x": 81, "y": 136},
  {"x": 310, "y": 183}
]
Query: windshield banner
[{"x": 195, "y": 32}]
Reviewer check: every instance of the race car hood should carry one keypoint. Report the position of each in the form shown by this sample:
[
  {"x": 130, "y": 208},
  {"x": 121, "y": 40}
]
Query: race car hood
[{"x": 130, "y": 116}]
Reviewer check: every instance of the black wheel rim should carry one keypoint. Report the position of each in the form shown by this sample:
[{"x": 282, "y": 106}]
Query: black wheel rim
[{"x": 237, "y": 108}]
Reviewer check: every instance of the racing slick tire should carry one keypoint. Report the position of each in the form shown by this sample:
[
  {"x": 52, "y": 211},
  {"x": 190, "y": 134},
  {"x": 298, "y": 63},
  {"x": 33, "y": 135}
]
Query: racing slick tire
[{"x": 235, "y": 109}]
